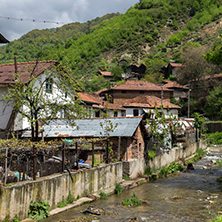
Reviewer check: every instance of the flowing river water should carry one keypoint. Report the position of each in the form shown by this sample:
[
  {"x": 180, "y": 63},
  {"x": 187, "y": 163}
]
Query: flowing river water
[{"x": 185, "y": 197}]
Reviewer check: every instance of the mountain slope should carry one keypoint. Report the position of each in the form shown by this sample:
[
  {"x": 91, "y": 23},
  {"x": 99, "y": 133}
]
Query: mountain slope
[{"x": 151, "y": 29}]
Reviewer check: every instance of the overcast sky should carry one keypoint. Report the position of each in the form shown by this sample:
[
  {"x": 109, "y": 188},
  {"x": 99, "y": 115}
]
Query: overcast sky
[{"x": 62, "y": 11}]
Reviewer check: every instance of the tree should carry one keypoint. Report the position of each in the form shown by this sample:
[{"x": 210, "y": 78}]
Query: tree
[
  {"x": 33, "y": 99},
  {"x": 194, "y": 65},
  {"x": 213, "y": 105}
]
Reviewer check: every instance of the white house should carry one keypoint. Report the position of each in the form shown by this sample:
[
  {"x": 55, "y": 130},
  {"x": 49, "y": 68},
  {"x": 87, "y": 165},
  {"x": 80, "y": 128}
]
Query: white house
[
  {"x": 43, "y": 79},
  {"x": 148, "y": 104}
]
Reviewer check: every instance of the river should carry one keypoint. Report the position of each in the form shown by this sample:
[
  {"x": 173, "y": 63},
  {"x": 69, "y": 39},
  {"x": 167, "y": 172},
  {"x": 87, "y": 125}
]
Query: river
[{"x": 184, "y": 197}]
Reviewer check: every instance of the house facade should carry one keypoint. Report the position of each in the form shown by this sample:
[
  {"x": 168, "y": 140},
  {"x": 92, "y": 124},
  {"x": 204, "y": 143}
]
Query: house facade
[
  {"x": 131, "y": 88},
  {"x": 50, "y": 91}
]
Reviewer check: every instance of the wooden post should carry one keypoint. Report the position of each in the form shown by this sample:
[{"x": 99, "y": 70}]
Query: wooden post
[
  {"x": 6, "y": 163},
  {"x": 77, "y": 158},
  {"x": 34, "y": 163},
  {"x": 63, "y": 157},
  {"x": 107, "y": 151},
  {"x": 118, "y": 152},
  {"x": 92, "y": 154},
  {"x": 127, "y": 149}
]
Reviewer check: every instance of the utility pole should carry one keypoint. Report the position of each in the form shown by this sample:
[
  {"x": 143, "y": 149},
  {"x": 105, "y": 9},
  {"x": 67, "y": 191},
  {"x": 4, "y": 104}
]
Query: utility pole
[{"x": 188, "y": 108}]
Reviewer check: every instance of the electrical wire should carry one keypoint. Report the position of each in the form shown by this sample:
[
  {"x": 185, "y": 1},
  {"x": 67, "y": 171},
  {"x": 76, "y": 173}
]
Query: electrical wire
[{"x": 30, "y": 20}]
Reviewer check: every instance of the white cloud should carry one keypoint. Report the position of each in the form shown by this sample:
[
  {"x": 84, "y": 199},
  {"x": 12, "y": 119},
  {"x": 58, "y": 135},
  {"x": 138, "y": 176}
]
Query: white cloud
[{"x": 65, "y": 11}]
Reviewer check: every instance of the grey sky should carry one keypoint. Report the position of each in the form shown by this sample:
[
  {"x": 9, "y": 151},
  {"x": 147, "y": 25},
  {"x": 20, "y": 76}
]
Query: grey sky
[{"x": 65, "y": 11}]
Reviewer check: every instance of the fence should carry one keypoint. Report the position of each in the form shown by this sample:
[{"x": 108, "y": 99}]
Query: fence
[{"x": 19, "y": 164}]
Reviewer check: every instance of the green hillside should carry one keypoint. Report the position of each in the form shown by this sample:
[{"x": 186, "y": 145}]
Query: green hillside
[{"x": 152, "y": 31}]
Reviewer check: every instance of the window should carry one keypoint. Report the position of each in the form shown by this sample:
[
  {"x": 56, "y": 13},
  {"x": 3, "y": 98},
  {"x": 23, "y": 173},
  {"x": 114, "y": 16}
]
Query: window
[
  {"x": 141, "y": 92},
  {"x": 124, "y": 91},
  {"x": 135, "y": 112},
  {"x": 48, "y": 85},
  {"x": 97, "y": 114},
  {"x": 115, "y": 114}
]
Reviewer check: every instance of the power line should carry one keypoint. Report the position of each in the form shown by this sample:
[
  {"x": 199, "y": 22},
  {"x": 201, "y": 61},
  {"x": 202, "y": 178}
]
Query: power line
[{"x": 30, "y": 20}]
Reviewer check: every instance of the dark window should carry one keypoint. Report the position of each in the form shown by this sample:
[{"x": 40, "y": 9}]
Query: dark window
[
  {"x": 122, "y": 113},
  {"x": 115, "y": 114},
  {"x": 141, "y": 92},
  {"x": 98, "y": 113},
  {"x": 49, "y": 85},
  {"x": 123, "y": 91},
  {"x": 135, "y": 112}
]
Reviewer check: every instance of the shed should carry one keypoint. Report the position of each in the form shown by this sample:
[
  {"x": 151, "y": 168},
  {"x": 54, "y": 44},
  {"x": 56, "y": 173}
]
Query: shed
[{"x": 125, "y": 134}]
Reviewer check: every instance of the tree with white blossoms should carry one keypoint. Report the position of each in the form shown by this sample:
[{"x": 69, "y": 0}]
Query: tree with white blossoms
[{"x": 31, "y": 100}]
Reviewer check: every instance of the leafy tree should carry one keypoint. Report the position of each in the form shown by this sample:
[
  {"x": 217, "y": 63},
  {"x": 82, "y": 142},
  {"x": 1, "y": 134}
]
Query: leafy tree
[
  {"x": 213, "y": 105},
  {"x": 30, "y": 100},
  {"x": 194, "y": 65},
  {"x": 117, "y": 72}
]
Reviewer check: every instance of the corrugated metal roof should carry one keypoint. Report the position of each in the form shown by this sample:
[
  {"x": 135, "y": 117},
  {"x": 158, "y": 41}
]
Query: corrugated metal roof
[{"x": 125, "y": 127}]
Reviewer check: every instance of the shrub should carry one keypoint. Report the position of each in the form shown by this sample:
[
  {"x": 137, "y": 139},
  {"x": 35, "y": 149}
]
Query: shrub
[
  {"x": 134, "y": 201},
  {"x": 103, "y": 195},
  {"x": 118, "y": 188},
  {"x": 217, "y": 219},
  {"x": 38, "y": 210},
  {"x": 215, "y": 138}
]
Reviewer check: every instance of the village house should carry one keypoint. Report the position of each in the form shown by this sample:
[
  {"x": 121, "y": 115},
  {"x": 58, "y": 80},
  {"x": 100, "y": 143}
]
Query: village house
[
  {"x": 11, "y": 121},
  {"x": 171, "y": 69},
  {"x": 148, "y": 104},
  {"x": 179, "y": 92},
  {"x": 97, "y": 107},
  {"x": 130, "y": 89},
  {"x": 107, "y": 75},
  {"x": 135, "y": 72}
]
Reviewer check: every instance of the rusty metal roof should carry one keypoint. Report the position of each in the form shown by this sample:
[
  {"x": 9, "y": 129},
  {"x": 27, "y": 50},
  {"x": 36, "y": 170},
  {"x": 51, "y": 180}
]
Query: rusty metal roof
[{"x": 123, "y": 127}]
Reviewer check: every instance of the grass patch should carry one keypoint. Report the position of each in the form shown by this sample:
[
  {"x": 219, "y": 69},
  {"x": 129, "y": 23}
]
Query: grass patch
[
  {"x": 125, "y": 177},
  {"x": 118, "y": 188},
  {"x": 134, "y": 201},
  {"x": 64, "y": 203},
  {"x": 215, "y": 138},
  {"x": 199, "y": 155},
  {"x": 103, "y": 195}
]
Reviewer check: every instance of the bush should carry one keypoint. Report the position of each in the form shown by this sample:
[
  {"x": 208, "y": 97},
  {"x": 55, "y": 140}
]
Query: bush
[
  {"x": 118, "y": 188},
  {"x": 38, "y": 210},
  {"x": 103, "y": 195},
  {"x": 215, "y": 138},
  {"x": 217, "y": 219},
  {"x": 134, "y": 201}
]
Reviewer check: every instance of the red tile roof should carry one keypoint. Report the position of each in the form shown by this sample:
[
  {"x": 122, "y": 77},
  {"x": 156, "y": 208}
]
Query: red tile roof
[
  {"x": 89, "y": 97},
  {"x": 149, "y": 102},
  {"x": 214, "y": 76},
  {"x": 174, "y": 64},
  {"x": 24, "y": 70},
  {"x": 173, "y": 84},
  {"x": 105, "y": 73},
  {"x": 138, "y": 86},
  {"x": 97, "y": 101}
]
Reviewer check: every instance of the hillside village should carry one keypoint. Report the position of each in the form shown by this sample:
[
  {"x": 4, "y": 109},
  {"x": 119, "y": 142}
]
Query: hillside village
[{"x": 54, "y": 125}]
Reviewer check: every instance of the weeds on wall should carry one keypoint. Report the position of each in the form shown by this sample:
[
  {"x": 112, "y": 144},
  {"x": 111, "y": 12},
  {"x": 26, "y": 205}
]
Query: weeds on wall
[
  {"x": 38, "y": 210},
  {"x": 118, "y": 188}
]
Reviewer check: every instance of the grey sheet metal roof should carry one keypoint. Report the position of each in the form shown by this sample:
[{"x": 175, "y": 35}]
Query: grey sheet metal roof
[{"x": 125, "y": 127}]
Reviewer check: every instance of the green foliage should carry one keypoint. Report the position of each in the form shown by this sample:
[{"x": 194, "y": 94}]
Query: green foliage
[
  {"x": 125, "y": 177},
  {"x": 118, "y": 188},
  {"x": 219, "y": 163},
  {"x": 38, "y": 210},
  {"x": 217, "y": 219},
  {"x": 64, "y": 203},
  {"x": 149, "y": 171},
  {"x": 163, "y": 172},
  {"x": 215, "y": 138},
  {"x": 134, "y": 201},
  {"x": 151, "y": 154},
  {"x": 15, "y": 219},
  {"x": 174, "y": 167},
  {"x": 103, "y": 195},
  {"x": 213, "y": 105},
  {"x": 199, "y": 155},
  {"x": 199, "y": 121}
]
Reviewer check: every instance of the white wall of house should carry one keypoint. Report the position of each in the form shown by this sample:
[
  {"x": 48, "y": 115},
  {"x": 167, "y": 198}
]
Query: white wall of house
[
  {"x": 171, "y": 113},
  {"x": 5, "y": 109},
  {"x": 23, "y": 123}
]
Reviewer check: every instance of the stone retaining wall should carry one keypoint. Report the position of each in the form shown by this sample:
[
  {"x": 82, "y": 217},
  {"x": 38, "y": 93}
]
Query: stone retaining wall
[{"x": 15, "y": 200}]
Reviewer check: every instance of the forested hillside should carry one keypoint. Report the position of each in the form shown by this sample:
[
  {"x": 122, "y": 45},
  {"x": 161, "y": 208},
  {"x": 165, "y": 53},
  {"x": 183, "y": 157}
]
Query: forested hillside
[{"x": 152, "y": 32}]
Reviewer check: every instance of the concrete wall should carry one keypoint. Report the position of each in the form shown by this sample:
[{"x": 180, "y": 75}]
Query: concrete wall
[
  {"x": 133, "y": 168},
  {"x": 15, "y": 200}
]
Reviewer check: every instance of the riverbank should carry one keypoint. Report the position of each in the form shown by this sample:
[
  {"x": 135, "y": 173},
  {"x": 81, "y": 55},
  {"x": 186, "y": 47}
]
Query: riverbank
[{"x": 188, "y": 196}]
